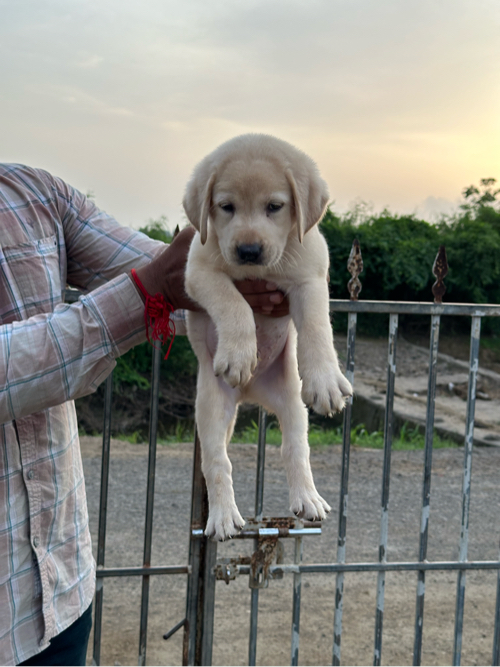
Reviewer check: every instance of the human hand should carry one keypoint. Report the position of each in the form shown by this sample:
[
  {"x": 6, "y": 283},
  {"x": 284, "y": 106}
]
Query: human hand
[
  {"x": 264, "y": 297},
  {"x": 165, "y": 273}
]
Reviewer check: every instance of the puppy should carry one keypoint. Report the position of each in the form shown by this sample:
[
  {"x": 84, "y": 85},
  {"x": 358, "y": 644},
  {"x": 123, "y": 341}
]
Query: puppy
[{"x": 256, "y": 202}]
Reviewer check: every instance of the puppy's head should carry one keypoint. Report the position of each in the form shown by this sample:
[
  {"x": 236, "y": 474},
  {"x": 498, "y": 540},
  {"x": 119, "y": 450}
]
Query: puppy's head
[{"x": 253, "y": 193}]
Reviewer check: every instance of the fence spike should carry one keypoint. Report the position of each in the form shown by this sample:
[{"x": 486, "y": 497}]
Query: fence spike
[
  {"x": 355, "y": 267},
  {"x": 440, "y": 270}
]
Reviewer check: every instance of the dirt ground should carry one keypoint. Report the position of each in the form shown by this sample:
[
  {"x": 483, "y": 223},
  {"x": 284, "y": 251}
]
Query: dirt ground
[
  {"x": 171, "y": 520},
  {"x": 410, "y": 401}
]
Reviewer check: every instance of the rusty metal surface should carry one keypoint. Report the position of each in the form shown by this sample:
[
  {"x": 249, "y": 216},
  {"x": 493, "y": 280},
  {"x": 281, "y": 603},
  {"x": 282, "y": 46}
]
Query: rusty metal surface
[
  {"x": 227, "y": 569},
  {"x": 355, "y": 267},
  {"x": 269, "y": 550},
  {"x": 440, "y": 270},
  {"x": 282, "y": 526}
]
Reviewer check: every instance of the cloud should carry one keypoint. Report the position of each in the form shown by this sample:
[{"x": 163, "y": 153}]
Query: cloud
[
  {"x": 89, "y": 62},
  {"x": 88, "y": 103}
]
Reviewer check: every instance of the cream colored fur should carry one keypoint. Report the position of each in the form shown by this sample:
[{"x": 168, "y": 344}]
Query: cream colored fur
[{"x": 258, "y": 191}]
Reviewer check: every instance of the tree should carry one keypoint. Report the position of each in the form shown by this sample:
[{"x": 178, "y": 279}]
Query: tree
[{"x": 477, "y": 199}]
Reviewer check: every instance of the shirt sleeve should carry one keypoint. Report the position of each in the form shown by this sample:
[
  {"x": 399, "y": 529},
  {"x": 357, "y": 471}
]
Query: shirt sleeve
[
  {"x": 53, "y": 357},
  {"x": 98, "y": 248}
]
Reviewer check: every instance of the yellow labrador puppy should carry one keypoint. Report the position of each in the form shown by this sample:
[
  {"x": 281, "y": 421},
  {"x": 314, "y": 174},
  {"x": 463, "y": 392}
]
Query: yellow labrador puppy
[{"x": 256, "y": 202}]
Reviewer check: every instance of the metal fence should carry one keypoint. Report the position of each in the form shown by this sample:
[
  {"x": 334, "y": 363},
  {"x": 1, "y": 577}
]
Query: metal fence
[{"x": 204, "y": 568}]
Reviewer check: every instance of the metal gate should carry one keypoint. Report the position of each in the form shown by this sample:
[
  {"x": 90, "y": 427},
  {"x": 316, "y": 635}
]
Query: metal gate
[{"x": 204, "y": 568}]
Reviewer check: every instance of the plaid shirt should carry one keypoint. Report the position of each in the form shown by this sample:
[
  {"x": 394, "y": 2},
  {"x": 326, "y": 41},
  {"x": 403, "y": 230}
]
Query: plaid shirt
[{"x": 50, "y": 353}]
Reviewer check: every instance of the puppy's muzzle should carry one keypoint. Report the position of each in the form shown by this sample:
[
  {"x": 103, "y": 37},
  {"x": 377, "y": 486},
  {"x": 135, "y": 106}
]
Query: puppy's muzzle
[{"x": 250, "y": 253}]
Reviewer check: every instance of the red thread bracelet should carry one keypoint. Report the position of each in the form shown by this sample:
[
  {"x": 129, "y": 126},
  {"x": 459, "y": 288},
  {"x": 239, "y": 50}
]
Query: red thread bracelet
[{"x": 156, "y": 316}]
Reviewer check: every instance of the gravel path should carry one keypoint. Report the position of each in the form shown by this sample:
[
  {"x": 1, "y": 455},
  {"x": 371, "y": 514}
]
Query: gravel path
[{"x": 171, "y": 522}]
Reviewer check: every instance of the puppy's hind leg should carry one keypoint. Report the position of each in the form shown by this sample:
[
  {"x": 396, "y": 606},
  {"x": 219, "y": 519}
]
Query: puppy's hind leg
[
  {"x": 216, "y": 407},
  {"x": 278, "y": 390}
]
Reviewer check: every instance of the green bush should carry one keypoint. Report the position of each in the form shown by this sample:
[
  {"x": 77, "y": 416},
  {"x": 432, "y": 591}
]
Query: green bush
[{"x": 399, "y": 252}]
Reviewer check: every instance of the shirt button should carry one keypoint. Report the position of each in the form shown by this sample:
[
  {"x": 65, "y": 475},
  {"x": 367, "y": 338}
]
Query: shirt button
[
  {"x": 31, "y": 474},
  {"x": 36, "y": 542}
]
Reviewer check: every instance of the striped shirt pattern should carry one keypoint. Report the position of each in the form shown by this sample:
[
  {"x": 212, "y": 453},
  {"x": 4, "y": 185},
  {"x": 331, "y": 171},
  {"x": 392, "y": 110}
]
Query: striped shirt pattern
[{"x": 50, "y": 353}]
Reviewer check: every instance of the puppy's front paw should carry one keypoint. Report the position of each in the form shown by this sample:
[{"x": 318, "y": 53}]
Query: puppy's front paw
[
  {"x": 326, "y": 391},
  {"x": 223, "y": 523},
  {"x": 308, "y": 505},
  {"x": 235, "y": 361}
]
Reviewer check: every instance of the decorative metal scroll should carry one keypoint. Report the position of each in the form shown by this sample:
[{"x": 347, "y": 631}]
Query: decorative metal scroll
[
  {"x": 355, "y": 267},
  {"x": 440, "y": 270}
]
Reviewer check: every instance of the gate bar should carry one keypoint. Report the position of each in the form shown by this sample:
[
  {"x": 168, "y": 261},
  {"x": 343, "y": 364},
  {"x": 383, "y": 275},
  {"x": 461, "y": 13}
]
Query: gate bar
[
  {"x": 394, "y": 566},
  {"x": 297, "y": 589},
  {"x": 384, "y": 516},
  {"x": 150, "y": 493},
  {"x": 259, "y": 504},
  {"x": 106, "y": 572},
  {"x": 415, "y": 308},
  {"x": 426, "y": 489},
  {"x": 103, "y": 513},
  {"x": 195, "y": 627},
  {"x": 342, "y": 528},
  {"x": 207, "y": 638},
  {"x": 469, "y": 440},
  {"x": 496, "y": 633}
]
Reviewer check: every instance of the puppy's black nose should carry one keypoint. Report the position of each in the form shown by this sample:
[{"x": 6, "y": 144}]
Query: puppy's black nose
[{"x": 250, "y": 253}]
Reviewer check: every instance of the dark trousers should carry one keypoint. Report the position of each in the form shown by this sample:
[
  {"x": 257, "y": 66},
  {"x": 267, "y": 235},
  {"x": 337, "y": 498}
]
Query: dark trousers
[{"x": 70, "y": 647}]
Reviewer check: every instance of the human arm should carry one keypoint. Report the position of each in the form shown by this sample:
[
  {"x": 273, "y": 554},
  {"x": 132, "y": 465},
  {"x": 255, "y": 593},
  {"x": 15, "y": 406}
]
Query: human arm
[
  {"x": 51, "y": 234},
  {"x": 53, "y": 357}
]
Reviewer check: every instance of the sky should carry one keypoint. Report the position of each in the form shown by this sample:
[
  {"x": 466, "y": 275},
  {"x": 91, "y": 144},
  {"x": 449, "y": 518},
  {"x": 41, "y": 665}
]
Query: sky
[{"x": 397, "y": 101}]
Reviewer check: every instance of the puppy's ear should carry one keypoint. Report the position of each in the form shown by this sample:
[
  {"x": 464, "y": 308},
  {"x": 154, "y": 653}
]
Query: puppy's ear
[
  {"x": 297, "y": 204},
  {"x": 198, "y": 201},
  {"x": 310, "y": 199}
]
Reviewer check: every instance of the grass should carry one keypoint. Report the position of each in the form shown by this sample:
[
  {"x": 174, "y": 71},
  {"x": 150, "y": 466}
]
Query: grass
[{"x": 408, "y": 439}]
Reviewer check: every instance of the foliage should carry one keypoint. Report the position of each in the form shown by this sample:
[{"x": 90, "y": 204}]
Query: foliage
[
  {"x": 399, "y": 252},
  {"x": 483, "y": 200},
  {"x": 408, "y": 438},
  {"x": 157, "y": 230}
]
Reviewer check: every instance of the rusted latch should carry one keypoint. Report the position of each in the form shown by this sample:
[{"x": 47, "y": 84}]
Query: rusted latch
[
  {"x": 269, "y": 549},
  {"x": 267, "y": 533},
  {"x": 227, "y": 568}
]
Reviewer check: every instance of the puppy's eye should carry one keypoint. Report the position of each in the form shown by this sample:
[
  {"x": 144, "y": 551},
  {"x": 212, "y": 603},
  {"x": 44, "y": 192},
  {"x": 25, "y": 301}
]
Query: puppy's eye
[
  {"x": 274, "y": 206},
  {"x": 228, "y": 208}
]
